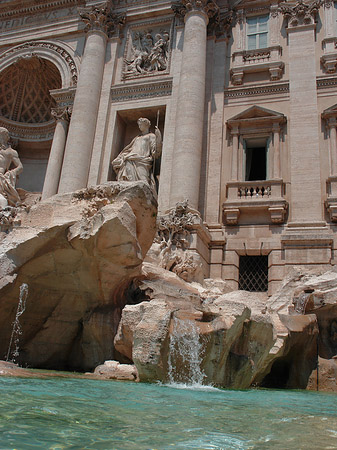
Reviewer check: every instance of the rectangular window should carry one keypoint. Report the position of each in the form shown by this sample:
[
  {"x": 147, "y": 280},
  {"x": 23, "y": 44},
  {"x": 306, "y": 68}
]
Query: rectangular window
[
  {"x": 253, "y": 273},
  {"x": 257, "y": 32},
  {"x": 256, "y": 159}
]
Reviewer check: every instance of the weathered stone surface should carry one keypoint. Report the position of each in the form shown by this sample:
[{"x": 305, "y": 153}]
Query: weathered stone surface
[
  {"x": 247, "y": 339},
  {"x": 326, "y": 378},
  {"x": 77, "y": 253},
  {"x": 113, "y": 370}
]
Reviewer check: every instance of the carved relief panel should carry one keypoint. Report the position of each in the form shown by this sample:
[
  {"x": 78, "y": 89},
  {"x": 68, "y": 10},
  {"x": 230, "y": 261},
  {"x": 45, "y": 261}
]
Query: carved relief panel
[{"x": 147, "y": 50}]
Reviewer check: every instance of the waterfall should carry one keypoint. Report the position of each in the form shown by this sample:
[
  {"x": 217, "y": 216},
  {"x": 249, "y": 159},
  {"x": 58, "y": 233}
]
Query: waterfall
[
  {"x": 185, "y": 354},
  {"x": 16, "y": 330}
]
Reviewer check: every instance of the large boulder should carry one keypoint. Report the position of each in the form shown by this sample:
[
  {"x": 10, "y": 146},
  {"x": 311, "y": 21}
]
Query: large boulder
[
  {"x": 77, "y": 253},
  {"x": 240, "y": 338}
]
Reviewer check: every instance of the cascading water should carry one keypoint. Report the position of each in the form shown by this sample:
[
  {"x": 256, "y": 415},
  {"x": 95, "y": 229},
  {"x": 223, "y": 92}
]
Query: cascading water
[
  {"x": 16, "y": 330},
  {"x": 185, "y": 354}
]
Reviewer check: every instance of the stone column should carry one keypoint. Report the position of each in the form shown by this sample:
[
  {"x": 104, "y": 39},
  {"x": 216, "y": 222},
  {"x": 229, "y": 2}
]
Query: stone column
[
  {"x": 52, "y": 178},
  {"x": 332, "y": 123},
  {"x": 235, "y": 153},
  {"x": 186, "y": 165},
  {"x": 100, "y": 23},
  {"x": 277, "y": 156}
]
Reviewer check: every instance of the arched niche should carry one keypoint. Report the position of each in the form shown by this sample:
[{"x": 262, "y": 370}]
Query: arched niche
[{"x": 25, "y": 105}]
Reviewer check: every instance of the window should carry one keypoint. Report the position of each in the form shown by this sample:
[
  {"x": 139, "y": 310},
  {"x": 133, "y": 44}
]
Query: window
[
  {"x": 256, "y": 159},
  {"x": 257, "y": 32},
  {"x": 253, "y": 273}
]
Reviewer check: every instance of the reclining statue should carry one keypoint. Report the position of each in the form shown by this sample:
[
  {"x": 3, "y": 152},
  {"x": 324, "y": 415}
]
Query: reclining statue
[
  {"x": 135, "y": 161},
  {"x": 8, "y": 158}
]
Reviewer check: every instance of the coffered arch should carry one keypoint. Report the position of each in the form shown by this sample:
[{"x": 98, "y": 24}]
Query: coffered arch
[{"x": 58, "y": 53}]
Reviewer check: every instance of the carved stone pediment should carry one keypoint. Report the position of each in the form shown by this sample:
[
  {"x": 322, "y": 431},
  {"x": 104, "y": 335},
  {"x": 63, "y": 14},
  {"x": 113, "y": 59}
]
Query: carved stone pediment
[
  {"x": 330, "y": 112},
  {"x": 256, "y": 115}
]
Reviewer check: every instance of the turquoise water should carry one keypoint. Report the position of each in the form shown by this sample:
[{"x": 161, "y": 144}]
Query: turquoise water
[{"x": 88, "y": 414}]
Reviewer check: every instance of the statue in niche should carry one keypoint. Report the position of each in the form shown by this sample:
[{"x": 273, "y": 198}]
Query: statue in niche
[
  {"x": 136, "y": 161},
  {"x": 8, "y": 158},
  {"x": 148, "y": 54}
]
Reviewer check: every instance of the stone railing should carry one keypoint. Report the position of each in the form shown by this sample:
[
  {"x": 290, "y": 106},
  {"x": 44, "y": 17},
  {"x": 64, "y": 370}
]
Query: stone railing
[
  {"x": 255, "y": 189},
  {"x": 259, "y": 60},
  {"x": 250, "y": 196}
]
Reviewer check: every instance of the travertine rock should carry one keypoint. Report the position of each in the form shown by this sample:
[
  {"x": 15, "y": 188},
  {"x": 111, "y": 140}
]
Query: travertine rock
[
  {"x": 247, "y": 339},
  {"x": 113, "y": 370},
  {"x": 77, "y": 253}
]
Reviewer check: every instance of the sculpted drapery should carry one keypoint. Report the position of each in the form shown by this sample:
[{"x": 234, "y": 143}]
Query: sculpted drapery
[{"x": 135, "y": 162}]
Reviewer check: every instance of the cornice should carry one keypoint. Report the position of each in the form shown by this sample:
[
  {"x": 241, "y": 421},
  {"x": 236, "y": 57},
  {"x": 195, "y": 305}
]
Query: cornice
[
  {"x": 31, "y": 7},
  {"x": 271, "y": 89},
  {"x": 138, "y": 91}
]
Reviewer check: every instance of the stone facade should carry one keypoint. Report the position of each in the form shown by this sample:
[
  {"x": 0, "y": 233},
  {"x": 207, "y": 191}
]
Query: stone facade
[{"x": 243, "y": 93}]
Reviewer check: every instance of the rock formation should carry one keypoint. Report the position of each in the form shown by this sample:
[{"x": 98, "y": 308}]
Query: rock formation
[
  {"x": 78, "y": 254},
  {"x": 92, "y": 298}
]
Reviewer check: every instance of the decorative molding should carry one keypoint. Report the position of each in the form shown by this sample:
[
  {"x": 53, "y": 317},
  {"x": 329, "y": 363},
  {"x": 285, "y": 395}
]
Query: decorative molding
[
  {"x": 29, "y": 132},
  {"x": 329, "y": 62},
  {"x": 63, "y": 97},
  {"x": 260, "y": 60},
  {"x": 38, "y": 6},
  {"x": 36, "y": 45},
  {"x": 301, "y": 13},
  {"x": 127, "y": 92},
  {"x": 326, "y": 83},
  {"x": 221, "y": 25},
  {"x": 270, "y": 89},
  {"x": 102, "y": 18},
  {"x": 250, "y": 196},
  {"x": 62, "y": 113},
  {"x": 328, "y": 3},
  {"x": 182, "y": 7}
]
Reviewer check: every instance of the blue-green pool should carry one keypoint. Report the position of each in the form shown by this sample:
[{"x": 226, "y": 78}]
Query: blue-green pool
[{"x": 88, "y": 414}]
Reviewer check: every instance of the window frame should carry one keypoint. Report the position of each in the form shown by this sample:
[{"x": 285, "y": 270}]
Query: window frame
[{"x": 257, "y": 33}]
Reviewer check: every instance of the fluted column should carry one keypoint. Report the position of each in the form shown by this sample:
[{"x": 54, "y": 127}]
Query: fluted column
[
  {"x": 332, "y": 123},
  {"x": 52, "y": 178},
  {"x": 186, "y": 165},
  {"x": 235, "y": 153},
  {"x": 100, "y": 23}
]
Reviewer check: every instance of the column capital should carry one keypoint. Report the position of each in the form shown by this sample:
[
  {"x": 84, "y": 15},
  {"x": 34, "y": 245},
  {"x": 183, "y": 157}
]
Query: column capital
[
  {"x": 62, "y": 113},
  {"x": 183, "y": 7},
  {"x": 101, "y": 18},
  {"x": 221, "y": 25},
  {"x": 301, "y": 13}
]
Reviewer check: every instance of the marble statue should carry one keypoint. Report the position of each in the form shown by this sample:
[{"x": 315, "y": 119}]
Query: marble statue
[
  {"x": 8, "y": 158},
  {"x": 136, "y": 161}
]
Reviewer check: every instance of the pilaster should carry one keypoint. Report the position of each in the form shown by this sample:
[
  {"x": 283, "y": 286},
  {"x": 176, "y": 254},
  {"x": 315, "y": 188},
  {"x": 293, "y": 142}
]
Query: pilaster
[{"x": 306, "y": 188}]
